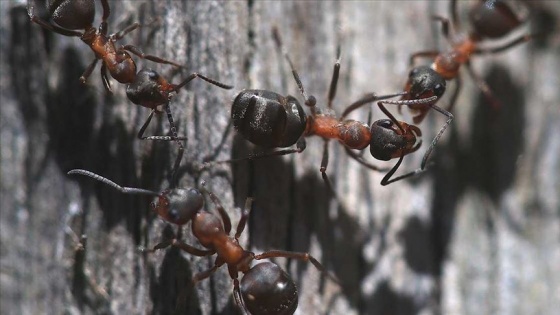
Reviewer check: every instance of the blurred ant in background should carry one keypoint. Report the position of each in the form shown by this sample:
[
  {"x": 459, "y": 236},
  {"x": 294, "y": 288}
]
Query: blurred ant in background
[
  {"x": 264, "y": 288},
  {"x": 271, "y": 120},
  {"x": 491, "y": 19}
]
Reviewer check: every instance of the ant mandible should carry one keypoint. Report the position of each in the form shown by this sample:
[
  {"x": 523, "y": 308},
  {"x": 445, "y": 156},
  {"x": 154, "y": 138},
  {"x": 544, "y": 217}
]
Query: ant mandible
[
  {"x": 69, "y": 16},
  {"x": 271, "y": 120},
  {"x": 264, "y": 288}
]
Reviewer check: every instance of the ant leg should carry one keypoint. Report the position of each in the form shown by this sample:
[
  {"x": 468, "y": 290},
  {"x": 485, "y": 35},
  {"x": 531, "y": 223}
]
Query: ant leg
[
  {"x": 244, "y": 216},
  {"x": 458, "y": 85},
  {"x": 225, "y": 217},
  {"x": 157, "y": 138},
  {"x": 300, "y": 147},
  {"x": 386, "y": 179},
  {"x": 484, "y": 88},
  {"x": 158, "y": 246},
  {"x": 238, "y": 298},
  {"x": 122, "y": 33},
  {"x": 323, "y": 169},
  {"x": 105, "y": 78},
  {"x": 366, "y": 99},
  {"x": 516, "y": 41},
  {"x": 334, "y": 80},
  {"x": 205, "y": 274},
  {"x": 47, "y": 25},
  {"x": 105, "y": 17},
  {"x": 422, "y": 54},
  {"x": 88, "y": 71},
  {"x": 444, "y": 25},
  {"x": 296, "y": 255},
  {"x": 361, "y": 160},
  {"x": 454, "y": 15},
  {"x": 181, "y": 148},
  {"x": 439, "y": 134},
  {"x": 192, "y": 250},
  {"x": 138, "y": 52}
]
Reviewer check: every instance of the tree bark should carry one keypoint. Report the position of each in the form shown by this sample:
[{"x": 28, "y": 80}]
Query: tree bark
[{"x": 476, "y": 234}]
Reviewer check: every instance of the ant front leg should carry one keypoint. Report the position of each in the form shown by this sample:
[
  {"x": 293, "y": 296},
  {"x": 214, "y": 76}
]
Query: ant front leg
[
  {"x": 138, "y": 52},
  {"x": 244, "y": 216},
  {"x": 238, "y": 297},
  {"x": 88, "y": 71},
  {"x": 48, "y": 25},
  {"x": 225, "y": 217},
  {"x": 387, "y": 178}
]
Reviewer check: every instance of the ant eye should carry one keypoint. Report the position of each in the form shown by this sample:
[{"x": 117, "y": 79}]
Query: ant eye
[
  {"x": 385, "y": 123},
  {"x": 439, "y": 89},
  {"x": 153, "y": 75},
  {"x": 413, "y": 72}
]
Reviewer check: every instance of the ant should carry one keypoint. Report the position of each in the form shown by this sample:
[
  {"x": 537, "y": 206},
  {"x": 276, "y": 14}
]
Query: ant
[
  {"x": 146, "y": 88},
  {"x": 264, "y": 288},
  {"x": 271, "y": 120},
  {"x": 490, "y": 19},
  {"x": 152, "y": 90},
  {"x": 69, "y": 16}
]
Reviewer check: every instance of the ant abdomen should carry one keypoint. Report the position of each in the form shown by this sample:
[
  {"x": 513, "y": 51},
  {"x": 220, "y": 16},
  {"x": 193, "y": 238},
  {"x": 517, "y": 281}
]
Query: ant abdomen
[
  {"x": 267, "y": 289},
  {"x": 72, "y": 14},
  {"x": 493, "y": 19},
  {"x": 178, "y": 205},
  {"x": 268, "y": 119}
]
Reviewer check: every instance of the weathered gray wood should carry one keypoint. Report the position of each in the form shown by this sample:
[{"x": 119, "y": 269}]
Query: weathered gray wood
[{"x": 477, "y": 234}]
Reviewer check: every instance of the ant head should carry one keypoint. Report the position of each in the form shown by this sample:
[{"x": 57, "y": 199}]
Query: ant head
[
  {"x": 389, "y": 140},
  {"x": 178, "y": 206},
  {"x": 267, "y": 289},
  {"x": 149, "y": 89},
  {"x": 425, "y": 82},
  {"x": 493, "y": 19},
  {"x": 73, "y": 14},
  {"x": 268, "y": 119}
]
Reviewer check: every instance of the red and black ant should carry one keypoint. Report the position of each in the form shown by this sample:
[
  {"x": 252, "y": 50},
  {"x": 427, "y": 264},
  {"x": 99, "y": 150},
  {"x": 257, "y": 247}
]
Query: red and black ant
[
  {"x": 490, "y": 19},
  {"x": 70, "y": 16},
  {"x": 152, "y": 90},
  {"x": 146, "y": 88},
  {"x": 264, "y": 288},
  {"x": 271, "y": 120}
]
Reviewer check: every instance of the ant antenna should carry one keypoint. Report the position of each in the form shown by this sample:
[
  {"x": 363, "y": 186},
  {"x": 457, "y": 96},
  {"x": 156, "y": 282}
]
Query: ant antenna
[
  {"x": 106, "y": 181},
  {"x": 309, "y": 100}
]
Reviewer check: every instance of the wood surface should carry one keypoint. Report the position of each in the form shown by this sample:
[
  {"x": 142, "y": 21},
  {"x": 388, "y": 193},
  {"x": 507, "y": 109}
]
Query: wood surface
[{"x": 478, "y": 233}]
